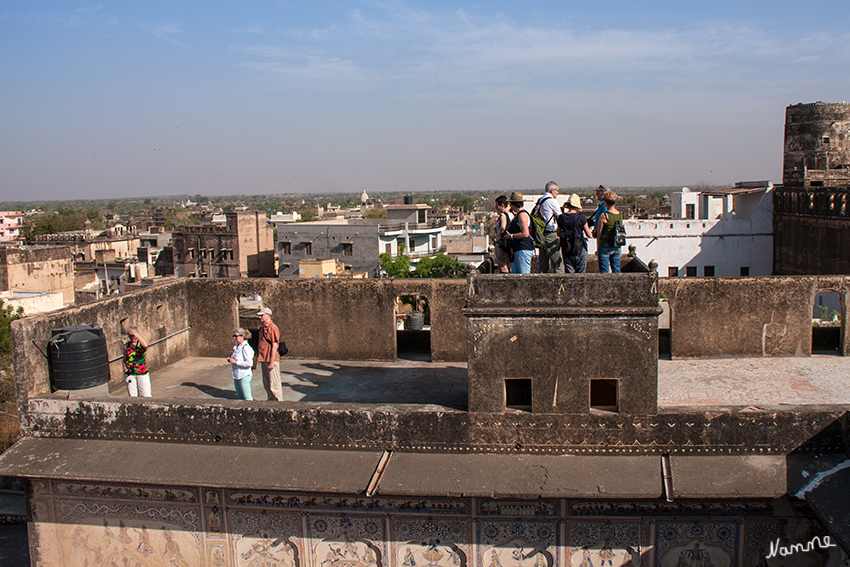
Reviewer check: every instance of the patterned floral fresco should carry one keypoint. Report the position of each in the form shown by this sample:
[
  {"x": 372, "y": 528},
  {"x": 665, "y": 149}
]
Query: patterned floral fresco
[{"x": 88, "y": 524}]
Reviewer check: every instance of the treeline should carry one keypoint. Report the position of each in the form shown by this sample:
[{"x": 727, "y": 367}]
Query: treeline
[{"x": 61, "y": 221}]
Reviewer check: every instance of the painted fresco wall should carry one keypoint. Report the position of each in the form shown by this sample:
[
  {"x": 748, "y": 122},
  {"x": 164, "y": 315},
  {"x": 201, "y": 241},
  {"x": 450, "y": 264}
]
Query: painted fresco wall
[{"x": 137, "y": 525}]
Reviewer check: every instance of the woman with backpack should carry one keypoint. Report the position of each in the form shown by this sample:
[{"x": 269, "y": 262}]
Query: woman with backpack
[
  {"x": 572, "y": 229},
  {"x": 502, "y": 240},
  {"x": 519, "y": 232},
  {"x": 606, "y": 250}
]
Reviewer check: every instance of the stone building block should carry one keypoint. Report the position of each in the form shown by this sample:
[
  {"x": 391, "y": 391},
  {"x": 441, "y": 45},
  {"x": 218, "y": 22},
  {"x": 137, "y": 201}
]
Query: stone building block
[{"x": 563, "y": 343}]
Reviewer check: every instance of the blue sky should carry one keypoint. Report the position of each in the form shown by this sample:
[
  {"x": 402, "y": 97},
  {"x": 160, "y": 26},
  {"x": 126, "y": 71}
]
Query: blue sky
[{"x": 181, "y": 96}]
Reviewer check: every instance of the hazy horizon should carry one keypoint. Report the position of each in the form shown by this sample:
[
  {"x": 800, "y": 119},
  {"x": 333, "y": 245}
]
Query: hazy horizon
[{"x": 115, "y": 100}]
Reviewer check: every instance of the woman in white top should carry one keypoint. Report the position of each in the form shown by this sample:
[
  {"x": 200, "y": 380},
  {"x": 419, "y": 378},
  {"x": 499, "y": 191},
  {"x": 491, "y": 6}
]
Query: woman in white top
[{"x": 242, "y": 359}]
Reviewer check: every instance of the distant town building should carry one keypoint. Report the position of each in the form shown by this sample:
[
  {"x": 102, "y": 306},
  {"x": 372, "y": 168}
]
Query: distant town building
[
  {"x": 357, "y": 243},
  {"x": 11, "y": 223},
  {"x": 242, "y": 247},
  {"x": 278, "y": 217},
  {"x": 86, "y": 242},
  {"x": 37, "y": 269},
  {"x": 32, "y": 302},
  {"x": 719, "y": 233}
]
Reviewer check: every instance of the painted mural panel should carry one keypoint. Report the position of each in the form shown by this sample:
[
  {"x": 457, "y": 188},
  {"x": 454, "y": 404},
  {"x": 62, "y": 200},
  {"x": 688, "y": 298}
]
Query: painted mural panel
[
  {"x": 696, "y": 543},
  {"x": 518, "y": 543},
  {"x": 263, "y": 539},
  {"x": 604, "y": 543},
  {"x": 346, "y": 540},
  {"x": 431, "y": 542},
  {"x": 80, "y": 523}
]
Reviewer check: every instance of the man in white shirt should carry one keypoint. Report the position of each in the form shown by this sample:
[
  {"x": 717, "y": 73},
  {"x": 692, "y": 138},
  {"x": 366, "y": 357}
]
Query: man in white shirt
[{"x": 550, "y": 254}]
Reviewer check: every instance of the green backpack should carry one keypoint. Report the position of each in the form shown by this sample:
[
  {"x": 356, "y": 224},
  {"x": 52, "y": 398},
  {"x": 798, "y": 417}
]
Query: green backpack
[{"x": 538, "y": 224}]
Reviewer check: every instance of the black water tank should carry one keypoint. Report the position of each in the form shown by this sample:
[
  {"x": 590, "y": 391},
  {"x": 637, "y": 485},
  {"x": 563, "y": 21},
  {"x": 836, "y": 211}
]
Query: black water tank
[{"x": 78, "y": 358}]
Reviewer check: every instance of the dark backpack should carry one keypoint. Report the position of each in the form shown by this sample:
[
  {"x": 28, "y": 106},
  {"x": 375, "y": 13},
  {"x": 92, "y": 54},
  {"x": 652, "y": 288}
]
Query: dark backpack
[
  {"x": 281, "y": 348},
  {"x": 618, "y": 235},
  {"x": 571, "y": 242}
]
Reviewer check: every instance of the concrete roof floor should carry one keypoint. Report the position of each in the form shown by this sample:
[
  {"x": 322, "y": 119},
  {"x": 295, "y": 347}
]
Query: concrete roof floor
[{"x": 820, "y": 379}]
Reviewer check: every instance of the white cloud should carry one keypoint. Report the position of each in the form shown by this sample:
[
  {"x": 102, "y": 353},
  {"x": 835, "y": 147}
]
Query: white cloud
[
  {"x": 310, "y": 68},
  {"x": 400, "y": 42},
  {"x": 165, "y": 31}
]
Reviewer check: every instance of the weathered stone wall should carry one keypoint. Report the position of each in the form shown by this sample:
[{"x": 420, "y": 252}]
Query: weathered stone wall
[
  {"x": 330, "y": 319},
  {"x": 752, "y": 317},
  {"x": 806, "y": 245},
  {"x": 155, "y": 312}
]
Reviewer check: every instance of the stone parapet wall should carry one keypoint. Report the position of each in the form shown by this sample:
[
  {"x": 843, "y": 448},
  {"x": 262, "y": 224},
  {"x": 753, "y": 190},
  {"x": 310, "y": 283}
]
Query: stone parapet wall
[
  {"x": 330, "y": 319},
  {"x": 747, "y": 317},
  {"x": 155, "y": 312},
  {"x": 399, "y": 427}
]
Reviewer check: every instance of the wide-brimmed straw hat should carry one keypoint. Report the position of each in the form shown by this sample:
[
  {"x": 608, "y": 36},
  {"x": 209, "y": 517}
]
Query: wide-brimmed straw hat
[
  {"x": 516, "y": 197},
  {"x": 574, "y": 202}
]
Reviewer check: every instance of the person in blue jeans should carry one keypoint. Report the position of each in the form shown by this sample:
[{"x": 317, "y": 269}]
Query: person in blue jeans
[
  {"x": 242, "y": 359},
  {"x": 608, "y": 255},
  {"x": 519, "y": 231}
]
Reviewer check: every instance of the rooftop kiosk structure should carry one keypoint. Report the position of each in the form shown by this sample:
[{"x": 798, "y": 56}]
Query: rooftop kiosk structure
[{"x": 563, "y": 456}]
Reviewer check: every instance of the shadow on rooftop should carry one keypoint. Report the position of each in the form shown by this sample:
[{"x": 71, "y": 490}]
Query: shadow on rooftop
[
  {"x": 422, "y": 385},
  {"x": 212, "y": 391}
]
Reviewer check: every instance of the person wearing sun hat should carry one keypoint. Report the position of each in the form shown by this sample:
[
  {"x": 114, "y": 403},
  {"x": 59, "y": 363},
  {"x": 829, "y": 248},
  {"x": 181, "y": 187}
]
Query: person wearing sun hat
[
  {"x": 572, "y": 227},
  {"x": 519, "y": 232}
]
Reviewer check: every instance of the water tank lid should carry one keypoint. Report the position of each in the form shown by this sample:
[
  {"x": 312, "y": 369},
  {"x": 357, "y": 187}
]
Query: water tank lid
[{"x": 75, "y": 334}]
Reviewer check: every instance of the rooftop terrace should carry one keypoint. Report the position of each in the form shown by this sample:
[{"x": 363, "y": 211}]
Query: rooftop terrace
[{"x": 728, "y": 382}]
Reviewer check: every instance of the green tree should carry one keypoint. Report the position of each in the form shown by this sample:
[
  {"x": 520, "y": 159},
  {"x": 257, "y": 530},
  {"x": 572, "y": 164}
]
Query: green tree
[
  {"x": 376, "y": 213},
  {"x": 8, "y": 418},
  {"x": 465, "y": 203},
  {"x": 52, "y": 223},
  {"x": 398, "y": 267},
  {"x": 440, "y": 266}
]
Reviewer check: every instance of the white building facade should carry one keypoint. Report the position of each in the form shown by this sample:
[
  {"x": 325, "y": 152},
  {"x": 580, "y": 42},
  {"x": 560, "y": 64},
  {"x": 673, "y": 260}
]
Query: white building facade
[{"x": 11, "y": 223}]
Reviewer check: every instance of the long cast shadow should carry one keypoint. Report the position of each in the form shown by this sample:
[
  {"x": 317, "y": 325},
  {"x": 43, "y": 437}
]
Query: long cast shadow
[
  {"x": 212, "y": 391},
  {"x": 444, "y": 386}
]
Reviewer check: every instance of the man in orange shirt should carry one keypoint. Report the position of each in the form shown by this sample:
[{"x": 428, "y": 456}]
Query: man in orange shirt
[{"x": 267, "y": 356}]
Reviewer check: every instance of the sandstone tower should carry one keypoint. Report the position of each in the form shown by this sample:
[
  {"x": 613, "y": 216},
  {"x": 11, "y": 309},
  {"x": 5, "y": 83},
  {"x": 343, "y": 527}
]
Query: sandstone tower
[{"x": 817, "y": 145}]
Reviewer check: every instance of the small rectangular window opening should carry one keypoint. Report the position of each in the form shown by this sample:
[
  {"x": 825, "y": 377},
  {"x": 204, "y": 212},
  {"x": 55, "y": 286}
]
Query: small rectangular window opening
[
  {"x": 603, "y": 394},
  {"x": 286, "y": 248},
  {"x": 673, "y": 272},
  {"x": 745, "y": 270},
  {"x": 347, "y": 249},
  {"x": 708, "y": 271},
  {"x": 518, "y": 393},
  {"x": 690, "y": 271}
]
